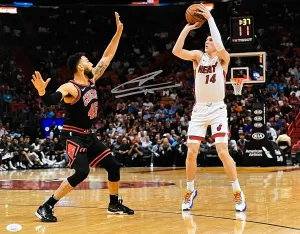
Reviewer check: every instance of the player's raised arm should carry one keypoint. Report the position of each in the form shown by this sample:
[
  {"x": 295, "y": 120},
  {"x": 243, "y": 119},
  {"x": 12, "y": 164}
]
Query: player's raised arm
[
  {"x": 54, "y": 98},
  {"x": 191, "y": 55},
  {"x": 110, "y": 51},
  {"x": 215, "y": 34}
]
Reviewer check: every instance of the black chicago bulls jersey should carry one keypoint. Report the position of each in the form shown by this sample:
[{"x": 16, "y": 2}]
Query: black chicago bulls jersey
[{"x": 82, "y": 112}]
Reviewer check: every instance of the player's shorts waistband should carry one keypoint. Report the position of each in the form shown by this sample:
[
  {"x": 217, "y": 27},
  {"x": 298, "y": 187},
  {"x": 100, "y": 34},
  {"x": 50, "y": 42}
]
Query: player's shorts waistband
[
  {"x": 70, "y": 128},
  {"x": 209, "y": 103}
]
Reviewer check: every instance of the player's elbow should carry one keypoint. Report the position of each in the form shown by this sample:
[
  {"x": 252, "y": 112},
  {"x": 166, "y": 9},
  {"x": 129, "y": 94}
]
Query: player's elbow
[{"x": 175, "y": 51}]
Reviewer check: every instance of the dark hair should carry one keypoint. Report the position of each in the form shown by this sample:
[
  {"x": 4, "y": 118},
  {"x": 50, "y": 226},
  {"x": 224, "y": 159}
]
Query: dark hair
[{"x": 73, "y": 61}]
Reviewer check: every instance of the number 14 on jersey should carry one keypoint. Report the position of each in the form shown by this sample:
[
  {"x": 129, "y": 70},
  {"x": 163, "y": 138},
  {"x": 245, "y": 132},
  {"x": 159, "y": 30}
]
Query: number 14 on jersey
[{"x": 210, "y": 79}]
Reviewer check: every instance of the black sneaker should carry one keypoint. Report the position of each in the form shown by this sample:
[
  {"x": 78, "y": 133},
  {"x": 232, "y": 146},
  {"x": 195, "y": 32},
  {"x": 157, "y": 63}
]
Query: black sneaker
[
  {"x": 45, "y": 213},
  {"x": 119, "y": 208}
]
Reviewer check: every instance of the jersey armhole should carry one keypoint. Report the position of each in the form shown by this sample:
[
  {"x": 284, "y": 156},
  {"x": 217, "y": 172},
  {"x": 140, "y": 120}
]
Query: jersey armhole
[
  {"x": 78, "y": 93},
  {"x": 198, "y": 62}
]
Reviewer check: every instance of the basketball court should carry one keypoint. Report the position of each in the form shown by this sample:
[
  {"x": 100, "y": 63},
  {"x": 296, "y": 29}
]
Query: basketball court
[{"x": 155, "y": 195}]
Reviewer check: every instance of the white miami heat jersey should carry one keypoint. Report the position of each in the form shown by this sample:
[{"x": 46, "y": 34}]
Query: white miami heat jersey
[{"x": 209, "y": 80}]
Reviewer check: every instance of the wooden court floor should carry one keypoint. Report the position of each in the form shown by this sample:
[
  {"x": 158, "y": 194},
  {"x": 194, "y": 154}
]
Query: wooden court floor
[{"x": 273, "y": 199}]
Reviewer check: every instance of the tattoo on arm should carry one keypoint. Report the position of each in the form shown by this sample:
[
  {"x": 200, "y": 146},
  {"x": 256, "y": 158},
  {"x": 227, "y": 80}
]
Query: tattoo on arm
[{"x": 100, "y": 68}]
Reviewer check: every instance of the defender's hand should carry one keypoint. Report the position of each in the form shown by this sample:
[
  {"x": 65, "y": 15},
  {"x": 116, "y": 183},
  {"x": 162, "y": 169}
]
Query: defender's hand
[
  {"x": 118, "y": 22},
  {"x": 39, "y": 83}
]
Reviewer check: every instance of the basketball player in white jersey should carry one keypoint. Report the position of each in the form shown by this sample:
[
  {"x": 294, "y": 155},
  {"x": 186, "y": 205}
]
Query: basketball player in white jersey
[{"x": 210, "y": 70}]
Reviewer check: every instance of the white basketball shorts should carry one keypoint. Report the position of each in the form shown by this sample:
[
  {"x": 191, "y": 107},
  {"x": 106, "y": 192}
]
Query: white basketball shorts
[{"x": 205, "y": 114}]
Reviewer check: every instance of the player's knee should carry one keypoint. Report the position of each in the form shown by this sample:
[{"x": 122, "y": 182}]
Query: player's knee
[
  {"x": 78, "y": 177},
  {"x": 114, "y": 175},
  {"x": 223, "y": 154},
  {"x": 192, "y": 151},
  {"x": 112, "y": 166}
]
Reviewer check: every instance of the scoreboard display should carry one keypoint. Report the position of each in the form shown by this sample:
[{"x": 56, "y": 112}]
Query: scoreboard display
[{"x": 242, "y": 29}]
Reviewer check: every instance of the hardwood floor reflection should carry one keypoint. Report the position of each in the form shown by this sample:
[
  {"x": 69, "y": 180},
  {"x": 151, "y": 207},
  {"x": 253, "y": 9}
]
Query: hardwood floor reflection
[{"x": 272, "y": 194}]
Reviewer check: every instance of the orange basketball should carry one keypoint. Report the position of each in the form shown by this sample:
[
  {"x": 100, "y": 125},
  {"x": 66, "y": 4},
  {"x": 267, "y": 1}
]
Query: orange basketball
[{"x": 193, "y": 16}]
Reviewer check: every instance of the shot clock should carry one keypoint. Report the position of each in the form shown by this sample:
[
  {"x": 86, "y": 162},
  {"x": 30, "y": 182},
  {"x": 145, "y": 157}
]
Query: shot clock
[{"x": 241, "y": 29}]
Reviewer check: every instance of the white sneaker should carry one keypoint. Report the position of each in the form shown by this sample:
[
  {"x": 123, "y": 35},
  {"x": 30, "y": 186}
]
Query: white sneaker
[
  {"x": 240, "y": 202},
  {"x": 11, "y": 167},
  {"x": 2, "y": 168},
  {"x": 189, "y": 197}
]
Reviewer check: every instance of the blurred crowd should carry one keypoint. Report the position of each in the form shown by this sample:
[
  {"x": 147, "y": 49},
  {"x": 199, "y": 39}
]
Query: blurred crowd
[{"x": 141, "y": 130}]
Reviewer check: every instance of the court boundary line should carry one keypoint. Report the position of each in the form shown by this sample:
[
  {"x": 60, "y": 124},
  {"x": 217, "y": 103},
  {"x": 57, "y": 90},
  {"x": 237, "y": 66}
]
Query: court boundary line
[{"x": 168, "y": 212}]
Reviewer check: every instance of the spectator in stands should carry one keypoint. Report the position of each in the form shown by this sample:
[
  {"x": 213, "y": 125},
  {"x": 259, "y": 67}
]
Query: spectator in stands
[
  {"x": 136, "y": 153},
  {"x": 248, "y": 127},
  {"x": 2, "y": 130},
  {"x": 293, "y": 100},
  {"x": 116, "y": 147},
  {"x": 148, "y": 105},
  {"x": 278, "y": 122},
  {"x": 232, "y": 145},
  {"x": 26, "y": 151},
  {"x": 271, "y": 133},
  {"x": 142, "y": 135},
  {"x": 156, "y": 150},
  {"x": 286, "y": 110},
  {"x": 54, "y": 131},
  {"x": 7, "y": 99},
  {"x": 123, "y": 152},
  {"x": 147, "y": 151},
  {"x": 166, "y": 158},
  {"x": 111, "y": 130},
  {"x": 184, "y": 122},
  {"x": 272, "y": 85},
  {"x": 180, "y": 153},
  {"x": 3, "y": 159},
  {"x": 16, "y": 150},
  {"x": 48, "y": 149},
  {"x": 241, "y": 143}
]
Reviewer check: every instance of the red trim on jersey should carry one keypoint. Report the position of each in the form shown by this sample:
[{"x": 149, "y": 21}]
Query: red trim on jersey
[
  {"x": 198, "y": 138},
  {"x": 72, "y": 150},
  {"x": 75, "y": 129},
  {"x": 78, "y": 96},
  {"x": 83, "y": 150},
  {"x": 219, "y": 134},
  {"x": 70, "y": 126},
  {"x": 100, "y": 157},
  {"x": 73, "y": 81}
]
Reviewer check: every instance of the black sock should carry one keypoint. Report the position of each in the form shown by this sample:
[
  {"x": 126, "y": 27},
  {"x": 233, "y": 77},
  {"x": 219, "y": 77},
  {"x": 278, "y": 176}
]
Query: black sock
[
  {"x": 113, "y": 199},
  {"x": 51, "y": 201}
]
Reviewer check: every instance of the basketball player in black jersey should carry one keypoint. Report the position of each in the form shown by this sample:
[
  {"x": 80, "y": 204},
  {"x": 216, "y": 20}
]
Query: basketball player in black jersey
[{"x": 82, "y": 146}]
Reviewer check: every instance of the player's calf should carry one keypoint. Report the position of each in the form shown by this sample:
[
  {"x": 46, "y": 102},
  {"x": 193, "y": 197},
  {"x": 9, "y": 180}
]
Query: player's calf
[
  {"x": 230, "y": 168},
  {"x": 112, "y": 166}
]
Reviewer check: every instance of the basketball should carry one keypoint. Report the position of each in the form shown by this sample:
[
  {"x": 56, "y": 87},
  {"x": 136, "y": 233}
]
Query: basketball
[{"x": 193, "y": 16}]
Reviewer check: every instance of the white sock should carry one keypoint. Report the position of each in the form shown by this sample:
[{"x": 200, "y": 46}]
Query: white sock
[
  {"x": 236, "y": 185},
  {"x": 190, "y": 185}
]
